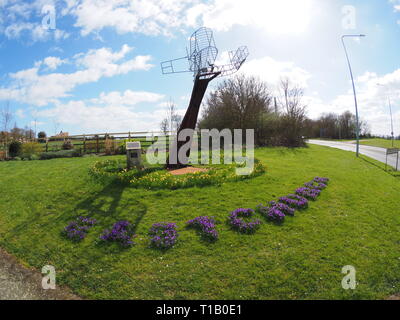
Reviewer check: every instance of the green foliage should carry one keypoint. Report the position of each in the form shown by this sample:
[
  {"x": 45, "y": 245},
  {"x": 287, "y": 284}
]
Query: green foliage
[
  {"x": 30, "y": 148},
  {"x": 159, "y": 178},
  {"x": 34, "y": 157},
  {"x": 42, "y": 135},
  {"x": 15, "y": 149},
  {"x": 60, "y": 154},
  {"x": 67, "y": 145}
]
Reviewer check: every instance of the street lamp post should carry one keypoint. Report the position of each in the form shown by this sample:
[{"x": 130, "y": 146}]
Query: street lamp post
[
  {"x": 391, "y": 120},
  {"x": 391, "y": 114},
  {"x": 354, "y": 89}
]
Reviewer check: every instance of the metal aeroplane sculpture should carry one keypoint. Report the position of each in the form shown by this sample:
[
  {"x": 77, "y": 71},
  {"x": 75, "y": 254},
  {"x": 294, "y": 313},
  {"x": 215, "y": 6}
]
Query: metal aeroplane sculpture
[{"x": 201, "y": 56}]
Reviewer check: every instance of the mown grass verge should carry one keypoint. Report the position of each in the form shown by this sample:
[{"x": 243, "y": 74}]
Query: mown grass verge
[{"x": 354, "y": 222}]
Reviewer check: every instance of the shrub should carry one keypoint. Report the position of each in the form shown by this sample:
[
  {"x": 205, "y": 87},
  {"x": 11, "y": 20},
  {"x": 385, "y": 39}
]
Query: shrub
[
  {"x": 35, "y": 157},
  {"x": 15, "y": 149},
  {"x": 164, "y": 235},
  {"x": 42, "y": 136},
  {"x": 67, "y": 145},
  {"x": 30, "y": 148},
  {"x": 60, "y": 154},
  {"x": 236, "y": 221},
  {"x": 121, "y": 232}
]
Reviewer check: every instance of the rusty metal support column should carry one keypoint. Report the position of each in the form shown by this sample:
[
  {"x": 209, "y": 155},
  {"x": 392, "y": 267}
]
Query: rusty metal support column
[{"x": 189, "y": 121}]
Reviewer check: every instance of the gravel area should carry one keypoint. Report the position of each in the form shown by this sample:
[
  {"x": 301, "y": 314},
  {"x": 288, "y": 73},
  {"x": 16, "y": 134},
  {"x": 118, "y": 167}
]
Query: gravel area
[{"x": 20, "y": 283}]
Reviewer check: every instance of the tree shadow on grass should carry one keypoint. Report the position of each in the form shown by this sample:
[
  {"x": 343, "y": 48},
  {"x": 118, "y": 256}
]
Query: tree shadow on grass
[
  {"x": 109, "y": 206},
  {"x": 388, "y": 170},
  {"x": 293, "y": 150}
]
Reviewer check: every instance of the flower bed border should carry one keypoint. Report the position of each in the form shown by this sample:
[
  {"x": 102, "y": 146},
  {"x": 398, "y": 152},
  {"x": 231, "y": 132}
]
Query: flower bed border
[{"x": 158, "y": 178}]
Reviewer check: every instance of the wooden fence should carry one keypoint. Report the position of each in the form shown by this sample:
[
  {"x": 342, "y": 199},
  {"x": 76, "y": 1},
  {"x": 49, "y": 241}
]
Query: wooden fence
[{"x": 104, "y": 142}]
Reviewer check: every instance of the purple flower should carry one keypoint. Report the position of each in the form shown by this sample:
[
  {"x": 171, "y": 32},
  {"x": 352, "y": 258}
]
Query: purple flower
[
  {"x": 77, "y": 230},
  {"x": 206, "y": 225},
  {"x": 288, "y": 211},
  {"x": 121, "y": 232},
  {"x": 276, "y": 215},
  {"x": 276, "y": 211},
  {"x": 164, "y": 235},
  {"x": 308, "y": 193},
  {"x": 237, "y": 223},
  {"x": 294, "y": 201},
  {"x": 315, "y": 185},
  {"x": 321, "y": 180}
]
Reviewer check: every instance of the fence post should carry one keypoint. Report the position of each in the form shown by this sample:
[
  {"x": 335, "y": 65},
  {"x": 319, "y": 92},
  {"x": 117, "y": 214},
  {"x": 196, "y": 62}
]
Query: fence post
[
  {"x": 47, "y": 145},
  {"x": 97, "y": 144},
  {"x": 84, "y": 144}
]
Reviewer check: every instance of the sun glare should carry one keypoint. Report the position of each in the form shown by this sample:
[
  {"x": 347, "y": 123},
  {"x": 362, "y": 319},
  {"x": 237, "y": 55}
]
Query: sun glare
[{"x": 284, "y": 16}]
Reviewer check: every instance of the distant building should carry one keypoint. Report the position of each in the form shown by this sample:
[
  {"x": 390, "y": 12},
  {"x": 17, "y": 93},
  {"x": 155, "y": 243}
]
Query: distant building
[{"x": 62, "y": 135}]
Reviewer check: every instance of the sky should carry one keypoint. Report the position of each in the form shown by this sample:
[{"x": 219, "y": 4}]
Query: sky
[{"x": 93, "y": 66}]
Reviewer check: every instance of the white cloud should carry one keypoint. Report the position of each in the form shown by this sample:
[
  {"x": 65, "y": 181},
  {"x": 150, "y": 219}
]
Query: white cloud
[
  {"x": 34, "y": 87},
  {"x": 150, "y": 17},
  {"x": 373, "y": 103},
  {"x": 154, "y": 17},
  {"x": 272, "y": 71},
  {"x": 128, "y": 98},
  {"x": 19, "y": 18},
  {"x": 283, "y": 16},
  {"x": 53, "y": 62},
  {"x": 110, "y": 112}
]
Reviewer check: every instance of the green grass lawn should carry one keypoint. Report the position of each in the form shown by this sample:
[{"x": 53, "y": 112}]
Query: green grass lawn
[
  {"x": 354, "y": 222},
  {"x": 382, "y": 143}
]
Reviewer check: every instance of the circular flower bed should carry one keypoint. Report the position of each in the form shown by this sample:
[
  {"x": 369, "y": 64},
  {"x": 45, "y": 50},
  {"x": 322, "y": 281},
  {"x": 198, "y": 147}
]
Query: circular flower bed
[
  {"x": 158, "y": 178},
  {"x": 237, "y": 222}
]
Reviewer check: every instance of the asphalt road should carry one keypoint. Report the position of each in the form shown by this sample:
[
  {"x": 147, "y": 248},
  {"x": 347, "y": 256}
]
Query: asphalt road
[{"x": 372, "y": 152}]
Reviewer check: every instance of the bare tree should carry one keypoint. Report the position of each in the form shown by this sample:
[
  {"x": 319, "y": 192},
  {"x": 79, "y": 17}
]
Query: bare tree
[
  {"x": 6, "y": 118},
  {"x": 294, "y": 113},
  {"x": 56, "y": 126},
  {"x": 164, "y": 126},
  {"x": 172, "y": 121}
]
